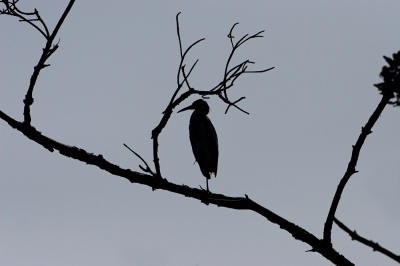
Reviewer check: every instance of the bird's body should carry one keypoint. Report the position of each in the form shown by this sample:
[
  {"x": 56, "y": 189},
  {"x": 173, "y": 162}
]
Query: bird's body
[
  {"x": 204, "y": 144},
  {"x": 203, "y": 138}
]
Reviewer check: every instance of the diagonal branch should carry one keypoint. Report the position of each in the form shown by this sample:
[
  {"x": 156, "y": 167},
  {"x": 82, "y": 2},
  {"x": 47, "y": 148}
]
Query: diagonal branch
[
  {"x": 48, "y": 50},
  {"x": 374, "y": 245},
  {"x": 351, "y": 168},
  {"x": 156, "y": 182}
]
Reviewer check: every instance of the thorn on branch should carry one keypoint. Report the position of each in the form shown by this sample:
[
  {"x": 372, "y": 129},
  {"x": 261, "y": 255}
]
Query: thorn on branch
[{"x": 53, "y": 49}]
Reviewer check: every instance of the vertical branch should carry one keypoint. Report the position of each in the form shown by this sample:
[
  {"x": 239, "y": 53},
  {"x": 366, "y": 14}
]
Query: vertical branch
[
  {"x": 156, "y": 159},
  {"x": 174, "y": 101},
  {"x": 351, "y": 168}
]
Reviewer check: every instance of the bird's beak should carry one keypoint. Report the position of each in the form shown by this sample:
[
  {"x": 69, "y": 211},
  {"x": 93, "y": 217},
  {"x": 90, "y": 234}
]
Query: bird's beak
[{"x": 186, "y": 108}]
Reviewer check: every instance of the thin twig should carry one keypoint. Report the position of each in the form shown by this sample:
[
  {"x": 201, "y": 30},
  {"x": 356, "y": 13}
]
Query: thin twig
[
  {"x": 179, "y": 34},
  {"x": 233, "y": 73},
  {"x": 374, "y": 245},
  {"x": 234, "y": 104},
  {"x": 230, "y": 36},
  {"x": 186, "y": 76},
  {"x": 147, "y": 169},
  {"x": 14, "y": 11}
]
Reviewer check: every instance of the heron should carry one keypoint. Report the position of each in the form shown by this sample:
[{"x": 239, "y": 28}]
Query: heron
[{"x": 203, "y": 138}]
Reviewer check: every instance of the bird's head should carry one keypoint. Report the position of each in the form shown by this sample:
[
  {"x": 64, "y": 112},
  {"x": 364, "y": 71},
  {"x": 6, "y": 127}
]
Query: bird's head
[{"x": 200, "y": 106}]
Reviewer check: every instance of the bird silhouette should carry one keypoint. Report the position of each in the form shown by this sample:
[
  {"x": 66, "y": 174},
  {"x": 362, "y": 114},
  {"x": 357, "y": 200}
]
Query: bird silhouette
[{"x": 203, "y": 138}]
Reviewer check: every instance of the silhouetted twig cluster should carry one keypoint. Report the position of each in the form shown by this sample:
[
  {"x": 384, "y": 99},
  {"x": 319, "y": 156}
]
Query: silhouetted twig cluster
[
  {"x": 391, "y": 78},
  {"x": 32, "y": 18},
  {"x": 231, "y": 74},
  {"x": 389, "y": 88}
]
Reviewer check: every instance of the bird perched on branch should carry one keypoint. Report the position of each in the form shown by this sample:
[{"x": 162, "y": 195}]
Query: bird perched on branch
[{"x": 203, "y": 138}]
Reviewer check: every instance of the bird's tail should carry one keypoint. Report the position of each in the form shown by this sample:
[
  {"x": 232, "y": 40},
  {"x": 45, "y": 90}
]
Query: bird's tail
[{"x": 212, "y": 173}]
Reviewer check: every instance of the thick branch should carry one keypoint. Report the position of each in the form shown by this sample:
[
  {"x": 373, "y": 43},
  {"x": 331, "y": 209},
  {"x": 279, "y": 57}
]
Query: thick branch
[
  {"x": 374, "y": 245},
  {"x": 155, "y": 182},
  {"x": 351, "y": 168},
  {"x": 48, "y": 50}
]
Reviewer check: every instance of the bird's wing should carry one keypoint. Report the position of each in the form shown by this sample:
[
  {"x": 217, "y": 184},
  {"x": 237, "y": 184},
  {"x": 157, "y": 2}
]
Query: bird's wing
[
  {"x": 213, "y": 147},
  {"x": 203, "y": 138}
]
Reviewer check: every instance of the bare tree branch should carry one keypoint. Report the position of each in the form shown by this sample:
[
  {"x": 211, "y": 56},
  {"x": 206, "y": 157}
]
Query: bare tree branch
[
  {"x": 186, "y": 77},
  {"x": 351, "y": 168},
  {"x": 155, "y": 182},
  {"x": 374, "y": 245},
  {"x": 12, "y": 10},
  {"x": 146, "y": 169},
  {"x": 163, "y": 122},
  {"x": 173, "y": 102},
  {"x": 48, "y": 50},
  {"x": 238, "y": 69}
]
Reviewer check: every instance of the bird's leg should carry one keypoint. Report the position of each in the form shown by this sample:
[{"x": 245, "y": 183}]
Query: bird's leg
[{"x": 205, "y": 199}]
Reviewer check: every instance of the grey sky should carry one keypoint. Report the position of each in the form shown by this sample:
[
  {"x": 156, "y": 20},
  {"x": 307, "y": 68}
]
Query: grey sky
[{"x": 108, "y": 84}]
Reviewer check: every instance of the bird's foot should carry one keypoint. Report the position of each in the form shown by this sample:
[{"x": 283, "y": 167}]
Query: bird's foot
[
  {"x": 205, "y": 198},
  {"x": 205, "y": 189}
]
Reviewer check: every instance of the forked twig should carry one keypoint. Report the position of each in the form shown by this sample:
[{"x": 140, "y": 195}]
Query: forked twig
[{"x": 147, "y": 169}]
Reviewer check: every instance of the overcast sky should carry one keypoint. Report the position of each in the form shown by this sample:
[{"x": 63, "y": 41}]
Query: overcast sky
[{"x": 112, "y": 77}]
